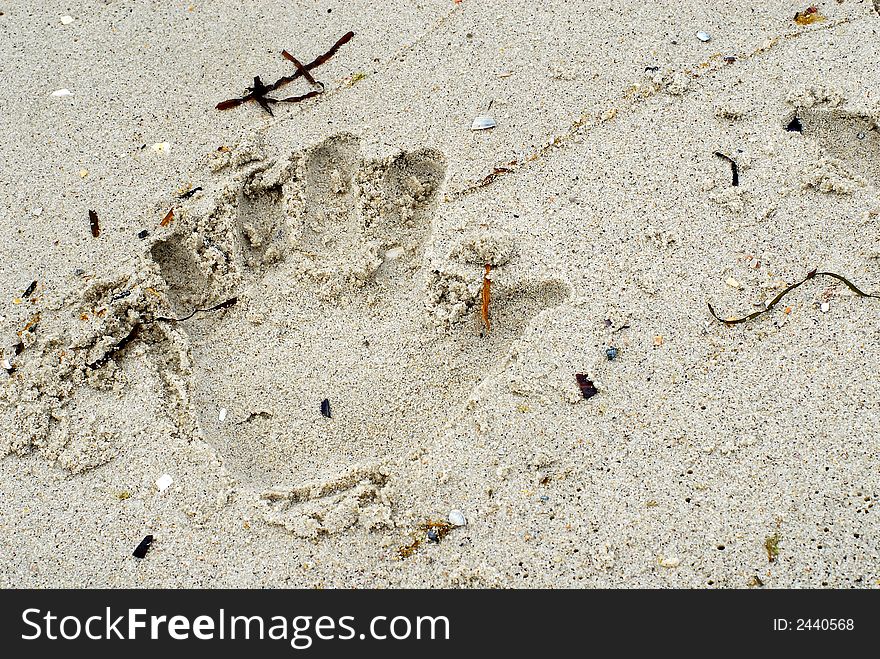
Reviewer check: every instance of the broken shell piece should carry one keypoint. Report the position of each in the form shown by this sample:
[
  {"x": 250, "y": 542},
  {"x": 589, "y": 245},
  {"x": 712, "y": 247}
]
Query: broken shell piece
[
  {"x": 456, "y": 518},
  {"x": 733, "y": 283},
  {"x": 61, "y": 92},
  {"x": 66, "y": 20},
  {"x": 222, "y": 416},
  {"x": 825, "y": 307},
  {"x": 37, "y": 212},
  {"x": 6, "y": 365},
  {"x": 704, "y": 36},
  {"x": 164, "y": 482},
  {"x": 393, "y": 253},
  {"x": 668, "y": 562},
  {"x": 483, "y": 122},
  {"x": 162, "y": 148}
]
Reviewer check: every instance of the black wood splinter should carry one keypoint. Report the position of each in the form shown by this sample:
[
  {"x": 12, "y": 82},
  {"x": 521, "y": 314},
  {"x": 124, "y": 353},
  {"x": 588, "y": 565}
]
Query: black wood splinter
[{"x": 141, "y": 550}]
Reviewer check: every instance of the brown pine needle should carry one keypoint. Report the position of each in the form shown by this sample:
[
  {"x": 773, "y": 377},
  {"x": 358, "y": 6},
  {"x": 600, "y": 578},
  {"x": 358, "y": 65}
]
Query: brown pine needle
[{"x": 486, "y": 285}]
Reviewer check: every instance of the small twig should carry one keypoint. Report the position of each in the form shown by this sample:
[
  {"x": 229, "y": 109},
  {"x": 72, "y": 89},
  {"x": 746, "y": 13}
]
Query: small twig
[
  {"x": 303, "y": 71},
  {"x": 810, "y": 275},
  {"x": 120, "y": 345},
  {"x": 733, "y": 166},
  {"x": 223, "y": 305},
  {"x": 93, "y": 223},
  {"x": 302, "y": 97},
  {"x": 189, "y": 193},
  {"x": 259, "y": 90}
]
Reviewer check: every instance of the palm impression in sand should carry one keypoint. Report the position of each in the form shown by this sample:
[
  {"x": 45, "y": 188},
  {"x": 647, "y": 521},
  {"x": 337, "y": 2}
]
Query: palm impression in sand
[{"x": 310, "y": 275}]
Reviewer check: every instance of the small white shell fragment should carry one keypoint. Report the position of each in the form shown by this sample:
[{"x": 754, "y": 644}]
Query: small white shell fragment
[
  {"x": 483, "y": 122},
  {"x": 66, "y": 20},
  {"x": 162, "y": 147},
  {"x": 825, "y": 307},
  {"x": 61, "y": 92},
  {"x": 37, "y": 211},
  {"x": 7, "y": 365},
  {"x": 456, "y": 518},
  {"x": 668, "y": 562},
  {"x": 733, "y": 283},
  {"x": 393, "y": 253},
  {"x": 704, "y": 36},
  {"x": 164, "y": 482},
  {"x": 222, "y": 414}
]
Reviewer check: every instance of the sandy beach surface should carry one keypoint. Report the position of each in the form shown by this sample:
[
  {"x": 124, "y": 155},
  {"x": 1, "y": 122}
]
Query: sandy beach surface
[{"x": 339, "y": 346}]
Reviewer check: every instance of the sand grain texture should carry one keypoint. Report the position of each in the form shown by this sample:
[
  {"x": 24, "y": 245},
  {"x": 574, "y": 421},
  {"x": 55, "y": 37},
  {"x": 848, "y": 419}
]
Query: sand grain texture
[{"x": 341, "y": 248}]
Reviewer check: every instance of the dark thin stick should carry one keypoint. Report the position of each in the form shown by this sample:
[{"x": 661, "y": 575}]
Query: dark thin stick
[
  {"x": 120, "y": 345},
  {"x": 297, "y": 99},
  {"x": 232, "y": 103},
  {"x": 93, "y": 223},
  {"x": 30, "y": 289},
  {"x": 189, "y": 193},
  {"x": 775, "y": 301},
  {"x": 223, "y": 305},
  {"x": 733, "y": 166},
  {"x": 318, "y": 61},
  {"x": 303, "y": 71}
]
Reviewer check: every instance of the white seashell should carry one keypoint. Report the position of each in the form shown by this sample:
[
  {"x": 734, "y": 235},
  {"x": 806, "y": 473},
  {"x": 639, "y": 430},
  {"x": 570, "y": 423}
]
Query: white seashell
[
  {"x": 704, "y": 36},
  {"x": 162, "y": 147},
  {"x": 825, "y": 307},
  {"x": 61, "y": 92},
  {"x": 668, "y": 562},
  {"x": 66, "y": 20},
  {"x": 164, "y": 482},
  {"x": 222, "y": 416},
  {"x": 37, "y": 211},
  {"x": 7, "y": 365},
  {"x": 393, "y": 253},
  {"x": 456, "y": 518},
  {"x": 483, "y": 122}
]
